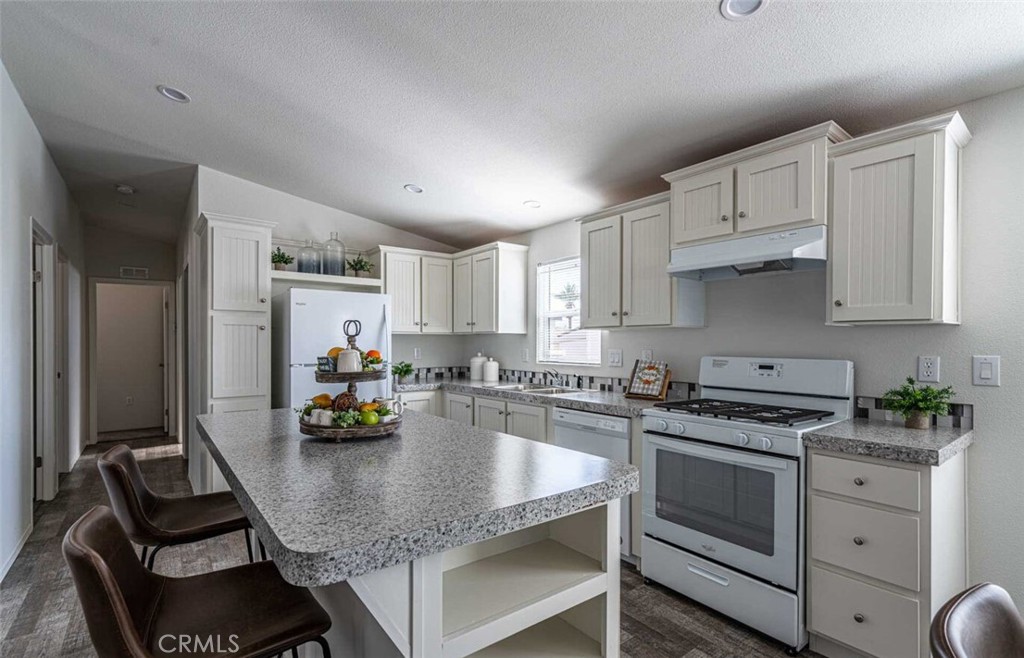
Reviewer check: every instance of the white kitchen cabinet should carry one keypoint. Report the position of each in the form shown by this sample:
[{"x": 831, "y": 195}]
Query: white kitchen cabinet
[
  {"x": 489, "y": 414},
  {"x": 459, "y": 408},
  {"x": 462, "y": 287},
  {"x": 489, "y": 285},
  {"x": 780, "y": 183},
  {"x": 436, "y": 304},
  {"x": 485, "y": 290},
  {"x": 402, "y": 282},
  {"x": 624, "y": 282},
  {"x": 240, "y": 355},
  {"x": 240, "y": 268},
  {"x": 895, "y": 226},
  {"x": 423, "y": 401},
  {"x": 527, "y": 420}
]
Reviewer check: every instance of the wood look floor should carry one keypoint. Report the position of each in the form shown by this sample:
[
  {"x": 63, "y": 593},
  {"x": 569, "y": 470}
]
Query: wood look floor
[{"x": 40, "y": 614}]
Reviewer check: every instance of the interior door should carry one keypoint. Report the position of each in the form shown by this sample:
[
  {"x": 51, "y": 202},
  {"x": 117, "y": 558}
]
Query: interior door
[
  {"x": 402, "y": 282},
  {"x": 166, "y": 355},
  {"x": 462, "y": 294},
  {"x": 601, "y": 273},
  {"x": 702, "y": 206},
  {"x": 776, "y": 189},
  {"x": 489, "y": 414},
  {"x": 883, "y": 232},
  {"x": 437, "y": 295},
  {"x": 485, "y": 287},
  {"x": 646, "y": 286}
]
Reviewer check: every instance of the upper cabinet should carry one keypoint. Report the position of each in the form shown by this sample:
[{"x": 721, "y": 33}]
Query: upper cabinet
[
  {"x": 240, "y": 266},
  {"x": 895, "y": 227},
  {"x": 436, "y": 304},
  {"x": 421, "y": 290},
  {"x": 402, "y": 282},
  {"x": 780, "y": 183},
  {"x": 601, "y": 275}
]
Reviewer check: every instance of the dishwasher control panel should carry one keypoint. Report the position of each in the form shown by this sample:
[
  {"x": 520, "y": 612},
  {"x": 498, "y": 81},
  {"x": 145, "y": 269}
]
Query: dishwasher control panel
[{"x": 596, "y": 421}]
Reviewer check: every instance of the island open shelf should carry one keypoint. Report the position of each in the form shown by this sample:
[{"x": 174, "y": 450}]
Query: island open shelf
[{"x": 551, "y": 638}]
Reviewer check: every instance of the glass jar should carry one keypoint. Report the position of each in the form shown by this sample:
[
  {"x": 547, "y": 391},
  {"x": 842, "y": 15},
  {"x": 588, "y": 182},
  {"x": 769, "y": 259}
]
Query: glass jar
[
  {"x": 309, "y": 259},
  {"x": 334, "y": 256}
]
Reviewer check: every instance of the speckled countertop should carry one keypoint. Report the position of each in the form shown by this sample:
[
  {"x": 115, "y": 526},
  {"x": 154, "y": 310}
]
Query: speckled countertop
[
  {"x": 601, "y": 402},
  {"x": 891, "y": 441},
  {"x": 330, "y": 511}
]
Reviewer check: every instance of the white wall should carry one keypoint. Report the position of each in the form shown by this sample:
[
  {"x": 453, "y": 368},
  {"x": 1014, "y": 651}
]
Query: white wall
[
  {"x": 784, "y": 316},
  {"x": 30, "y": 186},
  {"x": 129, "y": 349},
  {"x": 107, "y": 250}
]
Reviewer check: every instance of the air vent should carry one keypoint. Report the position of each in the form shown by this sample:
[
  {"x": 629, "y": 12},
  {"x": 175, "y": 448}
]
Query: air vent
[{"x": 134, "y": 272}]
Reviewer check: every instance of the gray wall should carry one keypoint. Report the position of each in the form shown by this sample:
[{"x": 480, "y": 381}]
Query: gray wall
[{"x": 106, "y": 251}]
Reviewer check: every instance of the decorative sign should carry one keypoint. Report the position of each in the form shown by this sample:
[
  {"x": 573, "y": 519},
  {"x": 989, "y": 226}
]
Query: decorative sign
[
  {"x": 649, "y": 380},
  {"x": 326, "y": 364}
]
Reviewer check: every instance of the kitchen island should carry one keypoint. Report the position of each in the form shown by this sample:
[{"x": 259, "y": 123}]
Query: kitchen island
[{"x": 443, "y": 540}]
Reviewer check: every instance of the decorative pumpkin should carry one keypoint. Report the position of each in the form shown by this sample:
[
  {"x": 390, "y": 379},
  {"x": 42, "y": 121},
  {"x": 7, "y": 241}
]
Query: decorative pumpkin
[{"x": 346, "y": 402}]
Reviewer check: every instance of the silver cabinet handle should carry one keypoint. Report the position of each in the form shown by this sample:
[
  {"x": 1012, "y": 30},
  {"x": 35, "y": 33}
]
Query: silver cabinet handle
[
  {"x": 704, "y": 573},
  {"x": 858, "y": 481},
  {"x": 469, "y": 324},
  {"x": 416, "y": 324},
  {"x": 469, "y": 406},
  {"x": 838, "y": 302},
  {"x": 501, "y": 413},
  {"x": 424, "y": 324},
  {"x": 742, "y": 214},
  {"x": 263, "y": 327},
  {"x": 859, "y": 618},
  {"x": 615, "y": 314},
  {"x": 858, "y": 540},
  {"x": 725, "y": 218},
  {"x": 625, "y": 312},
  {"x": 263, "y": 300}
]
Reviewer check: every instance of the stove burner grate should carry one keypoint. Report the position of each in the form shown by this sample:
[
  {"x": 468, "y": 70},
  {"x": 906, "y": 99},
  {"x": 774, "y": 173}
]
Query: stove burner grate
[{"x": 759, "y": 413}]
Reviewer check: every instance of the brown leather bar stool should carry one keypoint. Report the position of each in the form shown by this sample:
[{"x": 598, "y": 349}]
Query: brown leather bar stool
[
  {"x": 980, "y": 622},
  {"x": 245, "y": 611},
  {"x": 157, "y": 521}
]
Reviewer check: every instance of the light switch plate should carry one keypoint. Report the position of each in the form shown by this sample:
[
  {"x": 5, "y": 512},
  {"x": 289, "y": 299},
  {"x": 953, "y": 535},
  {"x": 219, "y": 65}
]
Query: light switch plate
[
  {"x": 647, "y": 354},
  {"x": 928, "y": 369},
  {"x": 985, "y": 370},
  {"x": 615, "y": 358},
  {"x": 525, "y": 355},
  {"x": 416, "y": 354}
]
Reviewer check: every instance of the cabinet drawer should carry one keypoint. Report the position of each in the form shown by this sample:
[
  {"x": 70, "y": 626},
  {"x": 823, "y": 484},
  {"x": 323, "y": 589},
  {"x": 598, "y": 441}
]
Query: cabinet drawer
[
  {"x": 887, "y": 485},
  {"x": 889, "y": 623},
  {"x": 880, "y": 544}
]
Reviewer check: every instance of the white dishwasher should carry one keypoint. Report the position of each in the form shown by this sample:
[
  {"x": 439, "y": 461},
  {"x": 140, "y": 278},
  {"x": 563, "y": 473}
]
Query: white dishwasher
[{"x": 600, "y": 435}]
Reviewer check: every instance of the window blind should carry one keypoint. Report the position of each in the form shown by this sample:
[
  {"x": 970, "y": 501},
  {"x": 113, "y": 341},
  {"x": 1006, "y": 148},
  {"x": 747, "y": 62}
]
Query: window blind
[{"x": 559, "y": 337}]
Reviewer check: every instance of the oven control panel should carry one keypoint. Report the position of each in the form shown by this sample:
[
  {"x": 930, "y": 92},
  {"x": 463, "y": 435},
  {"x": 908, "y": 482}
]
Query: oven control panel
[
  {"x": 754, "y": 439},
  {"x": 765, "y": 369}
]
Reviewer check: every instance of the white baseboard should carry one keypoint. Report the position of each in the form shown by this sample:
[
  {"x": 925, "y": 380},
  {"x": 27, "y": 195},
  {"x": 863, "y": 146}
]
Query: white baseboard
[{"x": 9, "y": 562}]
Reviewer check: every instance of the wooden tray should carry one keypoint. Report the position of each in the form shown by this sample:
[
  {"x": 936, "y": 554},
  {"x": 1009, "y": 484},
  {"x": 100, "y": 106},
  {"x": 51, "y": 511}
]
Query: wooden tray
[
  {"x": 339, "y": 434},
  {"x": 349, "y": 377}
]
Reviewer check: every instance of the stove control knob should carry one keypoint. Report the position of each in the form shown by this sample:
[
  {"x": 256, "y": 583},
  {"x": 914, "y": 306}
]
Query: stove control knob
[
  {"x": 742, "y": 439},
  {"x": 766, "y": 443},
  {"x": 679, "y": 428},
  {"x": 663, "y": 425}
]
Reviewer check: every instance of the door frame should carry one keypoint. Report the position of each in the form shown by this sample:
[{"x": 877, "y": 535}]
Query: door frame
[
  {"x": 44, "y": 380},
  {"x": 170, "y": 350},
  {"x": 62, "y": 328}
]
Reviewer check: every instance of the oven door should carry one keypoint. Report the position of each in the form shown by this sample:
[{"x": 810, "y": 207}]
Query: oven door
[{"x": 736, "y": 507}]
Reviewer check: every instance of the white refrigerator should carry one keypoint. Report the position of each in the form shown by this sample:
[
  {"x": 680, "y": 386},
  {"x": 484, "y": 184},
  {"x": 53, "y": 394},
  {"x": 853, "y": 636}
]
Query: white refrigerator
[{"x": 307, "y": 323}]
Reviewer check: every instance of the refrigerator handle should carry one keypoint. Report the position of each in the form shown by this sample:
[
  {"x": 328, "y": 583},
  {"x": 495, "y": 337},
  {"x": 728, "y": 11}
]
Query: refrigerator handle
[{"x": 388, "y": 392}]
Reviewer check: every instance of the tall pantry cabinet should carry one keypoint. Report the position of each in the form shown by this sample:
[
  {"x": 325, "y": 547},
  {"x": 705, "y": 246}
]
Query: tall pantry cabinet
[{"x": 232, "y": 308}]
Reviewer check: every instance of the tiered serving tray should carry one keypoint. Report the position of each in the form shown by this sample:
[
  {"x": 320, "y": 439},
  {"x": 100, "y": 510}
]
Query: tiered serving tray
[{"x": 338, "y": 434}]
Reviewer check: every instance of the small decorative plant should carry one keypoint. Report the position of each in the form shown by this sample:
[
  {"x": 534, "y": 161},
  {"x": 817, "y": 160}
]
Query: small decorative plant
[
  {"x": 917, "y": 403},
  {"x": 280, "y": 259},
  {"x": 360, "y": 264},
  {"x": 569, "y": 294},
  {"x": 402, "y": 370}
]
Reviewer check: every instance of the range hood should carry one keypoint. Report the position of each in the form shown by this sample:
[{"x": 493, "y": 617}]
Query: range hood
[{"x": 782, "y": 251}]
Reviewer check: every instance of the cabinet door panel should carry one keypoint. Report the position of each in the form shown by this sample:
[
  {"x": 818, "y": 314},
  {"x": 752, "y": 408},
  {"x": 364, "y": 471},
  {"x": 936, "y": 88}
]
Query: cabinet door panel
[
  {"x": 462, "y": 294},
  {"x": 489, "y": 414},
  {"x": 402, "y": 282},
  {"x": 437, "y": 295},
  {"x": 601, "y": 275},
  {"x": 419, "y": 401},
  {"x": 702, "y": 206},
  {"x": 240, "y": 263},
  {"x": 459, "y": 408},
  {"x": 883, "y": 232},
  {"x": 646, "y": 286},
  {"x": 776, "y": 189},
  {"x": 527, "y": 421},
  {"x": 485, "y": 299},
  {"x": 240, "y": 355}
]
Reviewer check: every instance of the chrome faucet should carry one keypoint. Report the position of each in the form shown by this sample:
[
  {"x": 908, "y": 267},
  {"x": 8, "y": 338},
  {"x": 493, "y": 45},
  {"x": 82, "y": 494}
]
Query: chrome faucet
[{"x": 553, "y": 376}]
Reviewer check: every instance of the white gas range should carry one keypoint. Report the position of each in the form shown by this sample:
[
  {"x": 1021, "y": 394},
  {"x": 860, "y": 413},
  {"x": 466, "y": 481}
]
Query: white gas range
[{"x": 723, "y": 486}]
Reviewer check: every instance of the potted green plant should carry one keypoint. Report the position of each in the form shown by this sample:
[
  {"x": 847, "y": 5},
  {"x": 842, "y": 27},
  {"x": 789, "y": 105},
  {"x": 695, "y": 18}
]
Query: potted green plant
[
  {"x": 280, "y": 259},
  {"x": 360, "y": 264},
  {"x": 917, "y": 403},
  {"x": 402, "y": 370}
]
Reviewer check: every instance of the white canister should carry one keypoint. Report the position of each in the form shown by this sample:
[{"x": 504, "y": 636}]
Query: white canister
[
  {"x": 490, "y": 367},
  {"x": 476, "y": 367}
]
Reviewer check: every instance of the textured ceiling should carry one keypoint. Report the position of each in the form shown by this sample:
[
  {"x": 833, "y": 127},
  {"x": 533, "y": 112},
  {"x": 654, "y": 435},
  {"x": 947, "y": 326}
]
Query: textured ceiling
[{"x": 485, "y": 105}]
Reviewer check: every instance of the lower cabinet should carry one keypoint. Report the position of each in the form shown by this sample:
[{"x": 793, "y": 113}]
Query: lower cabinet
[
  {"x": 458, "y": 408},
  {"x": 425, "y": 401},
  {"x": 526, "y": 420}
]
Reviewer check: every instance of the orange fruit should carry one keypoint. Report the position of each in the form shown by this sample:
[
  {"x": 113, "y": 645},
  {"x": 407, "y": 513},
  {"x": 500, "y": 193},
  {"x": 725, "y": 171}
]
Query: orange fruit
[
  {"x": 373, "y": 354},
  {"x": 334, "y": 352},
  {"x": 323, "y": 400},
  {"x": 369, "y": 406}
]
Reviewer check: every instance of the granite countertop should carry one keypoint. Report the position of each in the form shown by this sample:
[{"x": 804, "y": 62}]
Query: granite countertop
[
  {"x": 601, "y": 402},
  {"x": 891, "y": 441},
  {"x": 330, "y": 511}
]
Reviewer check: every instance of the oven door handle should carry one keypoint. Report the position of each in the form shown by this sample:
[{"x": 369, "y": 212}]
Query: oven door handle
[
  {"x": 704, "y": 573},
  {"x": 726, "y": 455}
]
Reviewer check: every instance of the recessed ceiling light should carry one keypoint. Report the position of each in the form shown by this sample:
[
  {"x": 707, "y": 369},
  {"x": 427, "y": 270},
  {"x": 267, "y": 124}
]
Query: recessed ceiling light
[
  {"x": 126, "y": 190},
  {"x": 531, "y": 204},
  {"x": 415, "y": 189},
  {"x": 176, "y": 95},
  {"x": 737, "y": 10}
]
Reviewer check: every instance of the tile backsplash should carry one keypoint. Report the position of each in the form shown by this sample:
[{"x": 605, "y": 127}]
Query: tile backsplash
[{"x": 960, "y": 415}]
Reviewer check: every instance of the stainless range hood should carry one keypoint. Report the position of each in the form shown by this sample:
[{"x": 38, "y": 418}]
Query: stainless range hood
[{"x": 782, "y": 251}]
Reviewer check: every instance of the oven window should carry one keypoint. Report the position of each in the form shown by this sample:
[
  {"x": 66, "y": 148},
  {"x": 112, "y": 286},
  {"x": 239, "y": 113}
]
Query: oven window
[{"x": 733, "y": 503}]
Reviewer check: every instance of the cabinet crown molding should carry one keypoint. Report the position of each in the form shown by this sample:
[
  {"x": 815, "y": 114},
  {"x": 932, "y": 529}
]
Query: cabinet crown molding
[
  {"x": 506, "y": 246},
  {"x": 951, "y": 122},
  {"x": 623, "y": 208},
  {"x": 206, "y": 218},
  {"x": 829, "y": 129}
]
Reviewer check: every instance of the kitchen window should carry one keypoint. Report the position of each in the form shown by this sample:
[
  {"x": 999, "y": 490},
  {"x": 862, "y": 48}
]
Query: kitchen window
[{"x": 559, "y": 337}]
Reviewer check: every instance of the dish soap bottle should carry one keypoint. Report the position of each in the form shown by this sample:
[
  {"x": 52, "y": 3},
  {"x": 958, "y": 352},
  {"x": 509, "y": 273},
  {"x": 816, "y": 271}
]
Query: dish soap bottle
[{"x": 334, "y": 256}]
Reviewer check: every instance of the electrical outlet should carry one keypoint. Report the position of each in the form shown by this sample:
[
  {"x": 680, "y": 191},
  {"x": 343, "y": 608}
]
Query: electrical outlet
[
  {"x": 525, "y": 355},
  {"x": 129, "y": 401},
  {"x": 985, "y": 370},
  {"x": 647, "y": 354},
  {"x": 416, "y": 354},
  {"x": 615, "y": 358},
  {"x": 928, "y": 369}
]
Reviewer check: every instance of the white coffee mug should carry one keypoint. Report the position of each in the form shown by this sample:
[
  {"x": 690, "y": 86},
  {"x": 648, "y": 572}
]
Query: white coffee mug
[{"x": 394, "y": 404}]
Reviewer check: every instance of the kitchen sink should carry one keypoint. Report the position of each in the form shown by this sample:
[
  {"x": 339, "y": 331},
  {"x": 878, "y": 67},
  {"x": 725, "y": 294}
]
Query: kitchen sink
[{"x": 541, "y": 389}]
